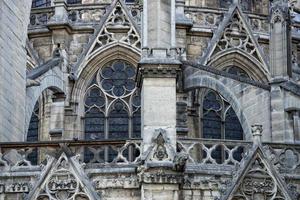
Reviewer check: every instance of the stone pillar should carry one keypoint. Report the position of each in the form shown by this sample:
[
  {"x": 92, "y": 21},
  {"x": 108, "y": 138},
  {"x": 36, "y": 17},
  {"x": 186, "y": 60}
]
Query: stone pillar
[
  {"x": 60, "y": 11},
  {"x": 57, "y": 117},
  {"x": 296, "y": 124},
  {"x": 256, "y": 134},
  {"x": 14, "y": 18},
  {"x": 280, "y": 67},
  {"x": 59, "y": 25},
  {"x": 280, "y": 40},
  {"x": 158, "y": 70}
]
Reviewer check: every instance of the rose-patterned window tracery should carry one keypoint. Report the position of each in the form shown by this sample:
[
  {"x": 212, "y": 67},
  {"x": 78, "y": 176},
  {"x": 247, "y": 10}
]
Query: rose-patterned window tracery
[
  {"x": 112, "y": 103},
  {"x": 219, "y": 121}
]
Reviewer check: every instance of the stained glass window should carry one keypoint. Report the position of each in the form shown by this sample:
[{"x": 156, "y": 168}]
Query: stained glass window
[
  {"x": 40, "y": 3},
  {"x": 113, "y": 105},
  {"x": 33, "y": 133},
  {"x": 219, "y": 121},
  {"x": 118, "y": 121},
  {"x": 236, "y": 71},
  {"x": 74, "y": 1},
  {"x": 130, "y": 1}
]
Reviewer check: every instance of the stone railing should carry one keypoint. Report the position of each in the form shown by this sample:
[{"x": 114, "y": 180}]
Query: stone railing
[
  {"x": 86, "y": 14},
  {"x": 203, "y": 154},
  {"x": 203, "y": 17},
  {"x": 90, "y": 14},
  {"x": 33, "y": 154},
  {"x": 285, "y": 157},
  {"x": 39, "y": 17},
  {"x": 211, "y": 18},
  {"x": 212, "y": 151}
]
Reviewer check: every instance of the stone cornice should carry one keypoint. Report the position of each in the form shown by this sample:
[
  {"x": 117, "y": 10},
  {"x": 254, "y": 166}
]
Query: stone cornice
[{"x": 156, "y": 71}]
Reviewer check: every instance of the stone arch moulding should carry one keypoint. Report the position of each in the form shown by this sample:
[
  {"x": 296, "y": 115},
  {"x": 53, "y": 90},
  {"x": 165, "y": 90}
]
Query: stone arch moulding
[
  {"x": 112, "y": 48},
  {"x": 246, "y": 62},
  {"x": 204, "y": 81},
  {"x": 89, "y": 67},
  {"x": 52, "y": 82}
]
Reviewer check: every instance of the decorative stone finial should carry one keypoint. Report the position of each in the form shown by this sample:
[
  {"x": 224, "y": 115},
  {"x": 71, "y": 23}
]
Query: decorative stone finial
[{"x": 256, "y": 133}]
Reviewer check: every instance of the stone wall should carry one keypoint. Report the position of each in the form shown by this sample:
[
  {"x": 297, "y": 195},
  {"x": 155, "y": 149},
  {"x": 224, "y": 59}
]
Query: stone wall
[{"x": 14, "y": 18}]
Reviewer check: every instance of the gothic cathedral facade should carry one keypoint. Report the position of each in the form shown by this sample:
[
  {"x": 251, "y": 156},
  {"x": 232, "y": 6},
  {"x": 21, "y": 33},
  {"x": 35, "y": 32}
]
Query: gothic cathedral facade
[{"x": 150, "y": 100}]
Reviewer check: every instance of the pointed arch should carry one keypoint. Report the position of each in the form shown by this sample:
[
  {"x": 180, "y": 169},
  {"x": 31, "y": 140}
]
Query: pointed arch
[
  {"x": 91, "y": 66},
  {"x": 234, "y": 35},
  {"x": 49, "y": 81},
  {"x": 242, "y": 60},
  {"x": 205, "y": 81},
  {"x": 106, "y": 36}
]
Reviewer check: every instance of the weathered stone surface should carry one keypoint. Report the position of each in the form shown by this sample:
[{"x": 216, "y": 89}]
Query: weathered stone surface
[{"x": 250, "y": 59}]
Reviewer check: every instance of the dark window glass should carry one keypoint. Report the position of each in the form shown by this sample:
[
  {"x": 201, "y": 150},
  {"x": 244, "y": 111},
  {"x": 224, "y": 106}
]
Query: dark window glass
[
  {"x": 112, "y": 108},
  {"x": 233, "y": 128},
  {"x": 237, "y": 71},
  {"x": 130, "y": 1},
  {"x": 118, "y": 79},
  {"x": 214, "y": 126},
  {"x": 33, "y": 134},
  {"x": 234, "y": 131},
  {"x": 40, "y": 3},
  {"x": 118, "y": 121},
  {"x": 94, "y": 124},
  {"x": 136, "y": 118},
  {"x": 73, "y": 1},
  {"x": 136, "y": 124}
]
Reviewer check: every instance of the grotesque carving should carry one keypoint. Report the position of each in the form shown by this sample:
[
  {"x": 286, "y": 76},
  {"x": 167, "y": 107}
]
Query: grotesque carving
[{"x": 180, "y": 160}]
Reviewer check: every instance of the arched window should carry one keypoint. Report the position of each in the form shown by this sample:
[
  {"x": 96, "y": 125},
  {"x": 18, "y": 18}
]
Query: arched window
[
  {"x": 33, "y": 133},
  {"x": 236, "y": 71},
  {"x": 40, "y": 3},
  {"x": 112, "y": 103},
  {"x": 219, "y": 121},
  {"x": 112, "y": 106}
]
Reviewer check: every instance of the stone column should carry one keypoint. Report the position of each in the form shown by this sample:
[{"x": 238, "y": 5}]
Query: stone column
[
  {"x": 280, "y": 40},
  {"x": 57, "y": 117},
  {"x": 14, "y": 18},
  {"x": 280, "y": 67},
  {"x": 158, "y": 69}
]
